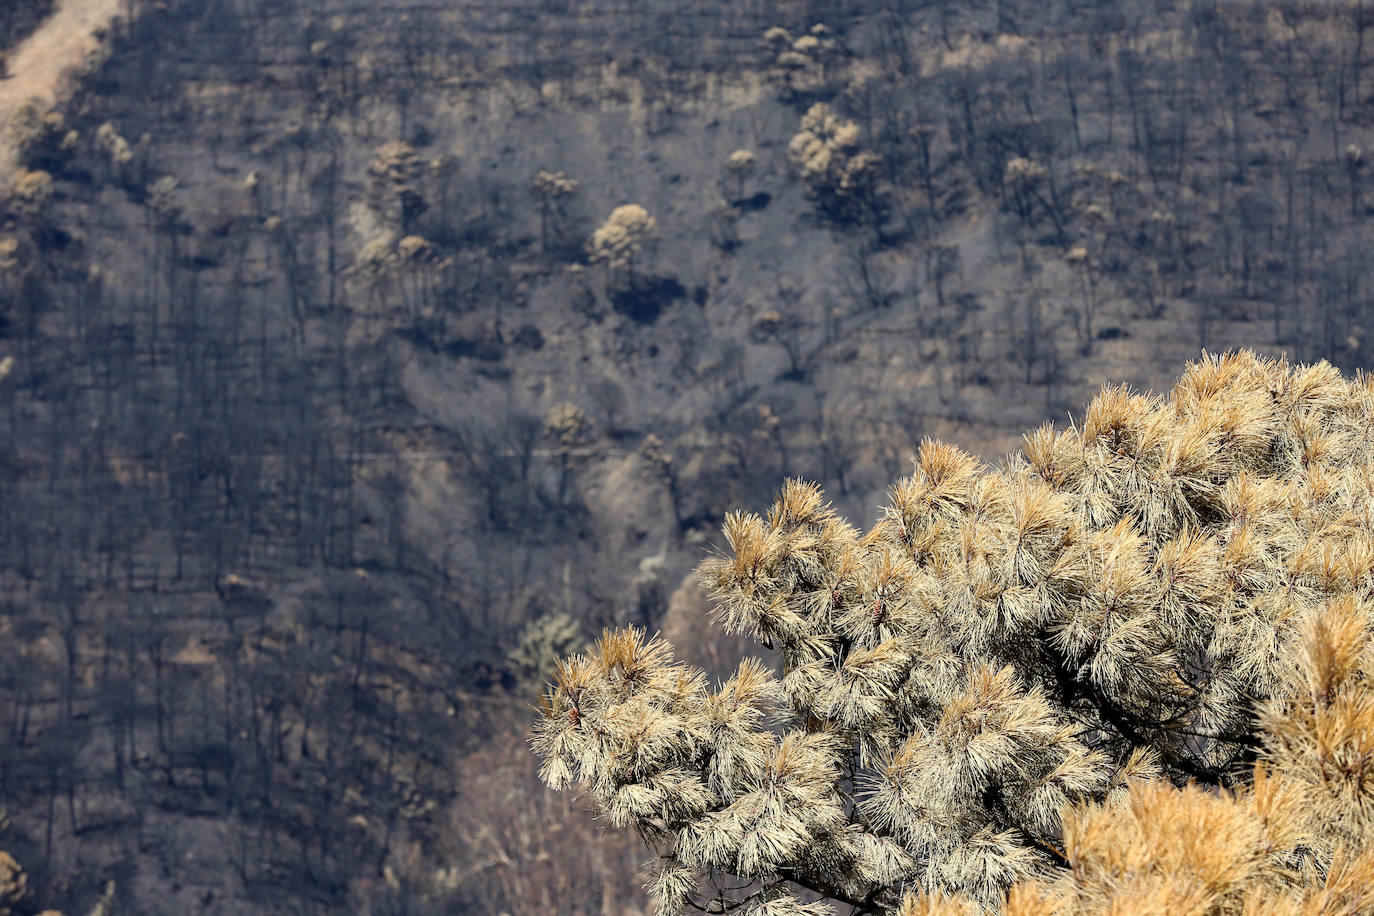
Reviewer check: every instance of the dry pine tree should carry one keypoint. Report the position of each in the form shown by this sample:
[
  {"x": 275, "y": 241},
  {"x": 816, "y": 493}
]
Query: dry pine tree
[{"x": 1127, "y": 671}]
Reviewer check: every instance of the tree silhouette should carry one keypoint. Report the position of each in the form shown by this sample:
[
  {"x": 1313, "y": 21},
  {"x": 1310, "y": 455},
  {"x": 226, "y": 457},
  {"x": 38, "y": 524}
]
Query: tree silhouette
[
  {"x": 395, "y": 173},
  {"x": 624, "y": 243},
  {"x": 837, "y": 172}
]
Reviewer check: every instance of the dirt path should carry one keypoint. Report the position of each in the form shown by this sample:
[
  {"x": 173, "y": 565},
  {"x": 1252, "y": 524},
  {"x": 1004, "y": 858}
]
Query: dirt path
[{"x": 37, "y": 64}]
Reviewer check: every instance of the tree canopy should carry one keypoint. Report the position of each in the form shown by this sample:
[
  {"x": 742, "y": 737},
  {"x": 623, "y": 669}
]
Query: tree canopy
[{"x": 1127, "y": 670}]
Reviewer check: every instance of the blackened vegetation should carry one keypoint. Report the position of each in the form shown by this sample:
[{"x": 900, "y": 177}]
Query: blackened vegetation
[{"x": 279, "y": 494}]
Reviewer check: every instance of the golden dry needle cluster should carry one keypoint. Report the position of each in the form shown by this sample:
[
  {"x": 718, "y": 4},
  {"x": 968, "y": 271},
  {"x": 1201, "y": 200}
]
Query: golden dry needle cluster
[{"x": 1126, "y": 672}]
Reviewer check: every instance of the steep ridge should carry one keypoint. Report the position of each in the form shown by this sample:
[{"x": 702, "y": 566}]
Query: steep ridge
[{"x": 315, "y": 409}]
